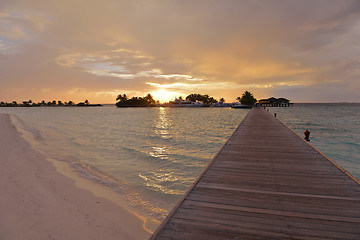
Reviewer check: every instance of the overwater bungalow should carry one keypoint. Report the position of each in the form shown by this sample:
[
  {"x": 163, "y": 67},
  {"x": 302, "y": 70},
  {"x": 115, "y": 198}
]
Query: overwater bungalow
[{"x": 275, "y": 102}]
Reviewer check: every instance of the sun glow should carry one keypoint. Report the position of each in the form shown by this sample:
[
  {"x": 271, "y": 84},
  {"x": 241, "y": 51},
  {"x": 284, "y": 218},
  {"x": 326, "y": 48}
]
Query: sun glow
[{"x": 164, "y": 95}]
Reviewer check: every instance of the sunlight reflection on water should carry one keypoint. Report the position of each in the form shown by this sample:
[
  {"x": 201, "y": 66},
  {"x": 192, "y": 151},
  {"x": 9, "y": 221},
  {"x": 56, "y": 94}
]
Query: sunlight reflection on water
[{"x": 149, "y": 155}]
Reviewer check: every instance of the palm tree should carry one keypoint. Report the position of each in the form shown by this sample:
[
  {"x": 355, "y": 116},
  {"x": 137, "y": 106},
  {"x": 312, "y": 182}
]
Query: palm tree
[
  {"x": 121, "y": 98},
  {"x": 149, "y": 99},
  {"x": 247, "y": 98},
  {"x": 27, "y": 103}
]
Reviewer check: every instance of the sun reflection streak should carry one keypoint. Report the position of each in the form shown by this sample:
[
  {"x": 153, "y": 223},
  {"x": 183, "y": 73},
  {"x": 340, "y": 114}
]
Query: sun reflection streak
[
  {"x": 163, "y": 124},
  {"x": 159, "y": 152}
]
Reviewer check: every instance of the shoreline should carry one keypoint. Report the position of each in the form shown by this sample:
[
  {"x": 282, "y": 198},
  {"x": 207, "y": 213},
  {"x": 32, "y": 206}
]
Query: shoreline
[{"x": 45, "y": 199}]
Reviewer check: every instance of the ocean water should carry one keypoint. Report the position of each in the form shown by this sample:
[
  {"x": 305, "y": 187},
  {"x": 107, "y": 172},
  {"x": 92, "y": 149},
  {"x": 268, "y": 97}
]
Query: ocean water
[
  {"x": 148, "y": 155},
  {"x": 334, "y": 130},
  {"x": 152, "y": 155}
]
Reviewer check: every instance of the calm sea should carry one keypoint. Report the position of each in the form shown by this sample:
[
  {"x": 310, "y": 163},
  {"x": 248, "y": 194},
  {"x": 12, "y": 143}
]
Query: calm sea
[
  {"x": 152, "y": 155},
  {"x": 334, "y": 130},
  {"x": 148, "y": 155}
]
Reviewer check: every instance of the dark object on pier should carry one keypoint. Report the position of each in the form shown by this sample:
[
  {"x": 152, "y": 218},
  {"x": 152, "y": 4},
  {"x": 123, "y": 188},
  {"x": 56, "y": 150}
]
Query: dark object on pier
[
  {"x": 274, "y": 114},
  {"x": 275, "y": 102},
  {"x": 307, "y": 135}
]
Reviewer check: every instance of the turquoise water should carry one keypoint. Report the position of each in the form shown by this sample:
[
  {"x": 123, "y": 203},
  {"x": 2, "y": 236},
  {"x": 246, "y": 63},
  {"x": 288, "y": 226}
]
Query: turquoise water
[{"x": 152, "y": 155}]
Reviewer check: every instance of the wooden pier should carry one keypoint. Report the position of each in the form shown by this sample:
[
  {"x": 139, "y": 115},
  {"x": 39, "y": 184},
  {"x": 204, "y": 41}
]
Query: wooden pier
[{"x": 267, "y": 183}]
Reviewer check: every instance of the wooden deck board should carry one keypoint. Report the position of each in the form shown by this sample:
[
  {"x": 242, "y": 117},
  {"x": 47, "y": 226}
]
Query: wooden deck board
[{"x": 267, "y": 183}]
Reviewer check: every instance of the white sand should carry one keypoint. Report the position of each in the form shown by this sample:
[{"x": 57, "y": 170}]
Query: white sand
[{"x": 38, "y": 202}]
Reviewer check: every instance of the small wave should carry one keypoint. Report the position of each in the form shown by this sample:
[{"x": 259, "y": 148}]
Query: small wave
[
  {"x": 166, "y": 181},
  {"x": 22, "y": 126},
  {"x": 130, "y": 195}
]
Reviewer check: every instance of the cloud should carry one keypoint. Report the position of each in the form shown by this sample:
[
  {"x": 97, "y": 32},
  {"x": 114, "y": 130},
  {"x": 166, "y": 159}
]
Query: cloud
[
  {"x": 121, "y": 63},
  {"x": 20, "y": 27},
  {"x": 139, "y": 46}
]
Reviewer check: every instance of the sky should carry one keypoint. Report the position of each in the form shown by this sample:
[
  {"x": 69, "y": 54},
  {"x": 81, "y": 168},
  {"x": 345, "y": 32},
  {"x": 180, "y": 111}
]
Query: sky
[{"x": 306, "y": 51}]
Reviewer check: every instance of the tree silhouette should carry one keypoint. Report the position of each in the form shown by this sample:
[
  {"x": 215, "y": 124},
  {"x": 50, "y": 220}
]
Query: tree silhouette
[
  {"x": 247, "y": 98},
  {"x": 124, "y": 101},
  {"x": 121, "y": 98},
  {"x": 30, "y": 103},
  {"x": 196, "y": 97},
  {"x": 149, "y": 99}
]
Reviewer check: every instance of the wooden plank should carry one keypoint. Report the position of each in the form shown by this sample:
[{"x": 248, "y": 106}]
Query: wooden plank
[
  {"x": 278, "y": 212},
  {"x": 272, "y": 219},
  {"x": 277, "y": 193},
  {"x": 279, "y": 226},
  {"x": 323, "y": 208},
  {"x": 267, "y": 183}
]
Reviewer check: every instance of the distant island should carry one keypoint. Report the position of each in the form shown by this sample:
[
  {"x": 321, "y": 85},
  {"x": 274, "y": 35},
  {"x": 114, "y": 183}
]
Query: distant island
[
  {"x": 54, "y": 103},
  {"x": 124, "y": 101},
  {"x": 192, "y": 100},
  {"x": 247, "y": 100}
]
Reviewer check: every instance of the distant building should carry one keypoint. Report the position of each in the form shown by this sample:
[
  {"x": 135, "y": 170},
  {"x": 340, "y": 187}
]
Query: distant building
[{"x": 275, "y": 102}]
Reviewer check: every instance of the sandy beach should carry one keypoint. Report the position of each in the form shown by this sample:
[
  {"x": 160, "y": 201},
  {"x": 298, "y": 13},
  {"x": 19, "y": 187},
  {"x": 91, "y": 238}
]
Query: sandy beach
[{"x": 38, "y": 202}]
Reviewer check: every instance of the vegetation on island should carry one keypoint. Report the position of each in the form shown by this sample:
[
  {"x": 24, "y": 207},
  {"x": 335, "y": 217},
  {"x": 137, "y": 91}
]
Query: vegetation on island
[
  {"x": 43, "y": 103},
  {"x": 206, "y": 99},
  {"x": 247, "y": 98},
  {"x": 124, "y": 101}
]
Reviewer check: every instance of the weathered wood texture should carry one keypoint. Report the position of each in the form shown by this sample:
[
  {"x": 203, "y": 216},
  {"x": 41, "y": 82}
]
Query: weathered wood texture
[{"x": 267, "y": 183}]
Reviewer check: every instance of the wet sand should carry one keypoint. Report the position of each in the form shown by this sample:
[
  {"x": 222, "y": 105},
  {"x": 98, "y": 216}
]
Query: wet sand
[{"x": 39, "y": 202}]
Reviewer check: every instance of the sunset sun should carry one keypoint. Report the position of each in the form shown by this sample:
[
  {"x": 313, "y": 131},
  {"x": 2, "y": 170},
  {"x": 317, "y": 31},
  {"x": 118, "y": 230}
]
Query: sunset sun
[{"x": 164, "y": 95}]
